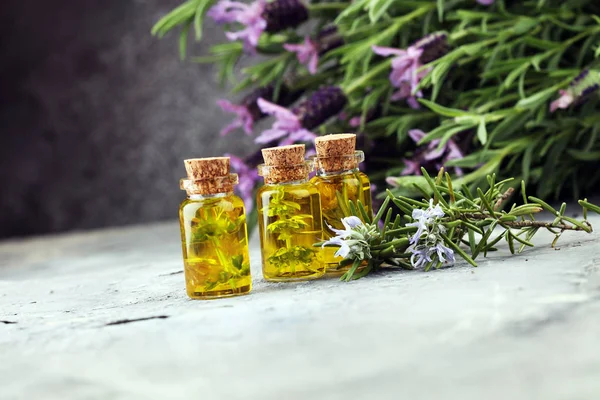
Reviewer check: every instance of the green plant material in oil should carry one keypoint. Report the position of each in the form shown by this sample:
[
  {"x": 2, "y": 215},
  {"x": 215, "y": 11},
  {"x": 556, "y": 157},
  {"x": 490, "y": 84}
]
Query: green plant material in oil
[{"x": 289, "y": 218}]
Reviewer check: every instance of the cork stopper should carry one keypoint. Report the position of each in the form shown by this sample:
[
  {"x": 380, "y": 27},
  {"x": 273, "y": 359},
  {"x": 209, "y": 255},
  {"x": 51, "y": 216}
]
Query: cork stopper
[
  {"x": 284, "y": 164},
  {"x": 206, "y": 168},
  {"x": 208, "y": 176},
  {"x": 336, "y": 152}
]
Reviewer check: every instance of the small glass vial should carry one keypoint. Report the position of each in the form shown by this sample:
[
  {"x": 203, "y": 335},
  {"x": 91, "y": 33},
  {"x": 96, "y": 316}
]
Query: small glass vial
[
  {"x": 214, "y": 235},
  {"x": 289, "y": 216},
  {"x": 337, "y": 177}
]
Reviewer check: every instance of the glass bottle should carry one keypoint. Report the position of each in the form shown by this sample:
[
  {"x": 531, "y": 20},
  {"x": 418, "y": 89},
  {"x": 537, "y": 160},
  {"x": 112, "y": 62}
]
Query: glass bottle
[
  {"x": 289, "y": 216},
  {"x": 214, "y": 235},
  {"x": 338, "y": 181}
]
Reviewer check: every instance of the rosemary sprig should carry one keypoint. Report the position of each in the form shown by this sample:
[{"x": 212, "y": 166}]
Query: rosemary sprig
[{"x": 449, "y": 224}]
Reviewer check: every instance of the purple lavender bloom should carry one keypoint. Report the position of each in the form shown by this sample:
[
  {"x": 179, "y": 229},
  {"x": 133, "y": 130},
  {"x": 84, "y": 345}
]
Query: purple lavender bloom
[
  {"x": 450, "y": 151},
  {"x": 405, "y": 75},
  {"x": 244, "y": 118},
  {"x": 307, "y": 53},
  {"x": 320, "y": 106},
  {"x": 486, "y": 2},
  {"x": 248, "y": 177},
  {"x": 286, "y": 128},
  {"x": 294, "y": 125},
  {"x": 249, "y": 15},
  {"x": 258, "y": 17},
  {"x": 247, "y": 111}
]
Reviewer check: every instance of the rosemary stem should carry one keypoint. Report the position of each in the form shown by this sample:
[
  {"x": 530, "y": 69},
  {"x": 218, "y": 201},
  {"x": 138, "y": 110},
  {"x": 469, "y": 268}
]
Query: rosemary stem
[{"x": 524, "y": 224}]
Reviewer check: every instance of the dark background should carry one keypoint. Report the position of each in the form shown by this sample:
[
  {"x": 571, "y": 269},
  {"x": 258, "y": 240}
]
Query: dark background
[{"x": 96, "y": 115}]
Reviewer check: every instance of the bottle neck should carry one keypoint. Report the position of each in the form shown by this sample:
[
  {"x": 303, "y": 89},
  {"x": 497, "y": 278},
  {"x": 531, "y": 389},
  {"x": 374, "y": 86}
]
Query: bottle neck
[
  {"x": 294, "y": 182},
  {"x": 321, "y": 172},
  {"x": 198, "y": 196}
]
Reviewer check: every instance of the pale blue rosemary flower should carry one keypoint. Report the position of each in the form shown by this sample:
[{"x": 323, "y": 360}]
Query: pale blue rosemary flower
[
  {"x": 354, "y": 239},
  {"x": 424, "y": 219},
  {"x": 427, "y": 244}
]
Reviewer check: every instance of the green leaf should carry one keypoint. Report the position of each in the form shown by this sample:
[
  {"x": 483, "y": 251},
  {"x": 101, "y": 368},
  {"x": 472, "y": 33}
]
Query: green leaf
[
  {"x": 363, "y": 212},
  {"x": 445, "y": 111},
  {"x": 348, "y": 275},
  {"x": 407, "y": 182},
  {"x": 509, "y": 240},
  {"x": 377, "y": 8},
  {"x": 383, "y": 207},
  {"x": 485, "y": 202},
  {"x": 544, "y": 205},
  {"x": 438, "y": 196},
  {"x": 537, "y": 99},
  {"x": 183, "y": 35},
  {"x": 589, "y": 206},
  {"x": 584, "y": 155},
  {"x": 515, "y": 74},
  {"x": 482, "y": 132},
  {"x": 201, "y": 9},
  {"x": 526, "y": 164}
]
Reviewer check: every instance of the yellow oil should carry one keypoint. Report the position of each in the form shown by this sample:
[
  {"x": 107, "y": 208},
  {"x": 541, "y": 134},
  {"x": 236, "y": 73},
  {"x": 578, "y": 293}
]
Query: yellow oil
[
  {"x": 289, "y": 218},
  {"x": 214, "y": 239},
  {"x": 351, "y": 185}
]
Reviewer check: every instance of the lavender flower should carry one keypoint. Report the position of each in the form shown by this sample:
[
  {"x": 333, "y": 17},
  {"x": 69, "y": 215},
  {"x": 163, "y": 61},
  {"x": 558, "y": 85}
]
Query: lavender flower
[
  {"x": 564, "y": 101},
  {"x": 429, "y": 156},
  {"x": 354, "y": 239},
  {"x": 307, "y": 53},
  {"x": 248, "y": 177},
  {"x": 584, "y": 84},
  {"x": 287, "y": 126},
  {"x": 244, "y": 118},
  {"x": 249, "y": 15},
  {"x": 257, "y": 18},
  {"x": 427, "y": 244},
  {"x": 247, "y": 111},
  {"x": 405, "y": 75},
  {"x": 486, "y": 2},
  {"x": 320, "y": 106},
  {"x": 295, "y": 125}
]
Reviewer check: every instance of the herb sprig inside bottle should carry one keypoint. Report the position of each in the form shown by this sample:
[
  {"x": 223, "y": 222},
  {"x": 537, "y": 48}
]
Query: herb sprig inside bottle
[
  {"x": 289, "y": 216},
  {"x": 214, "y": 235}
]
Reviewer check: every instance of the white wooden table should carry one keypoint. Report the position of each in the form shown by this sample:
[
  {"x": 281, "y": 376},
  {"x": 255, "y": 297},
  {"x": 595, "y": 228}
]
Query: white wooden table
[{"x": 522, "y": 327}]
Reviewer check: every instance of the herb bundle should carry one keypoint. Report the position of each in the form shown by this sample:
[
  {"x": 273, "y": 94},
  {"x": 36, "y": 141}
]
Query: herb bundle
[
  {"x": 476, "y": 86},
  {"x": 431, "y": 231}
]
